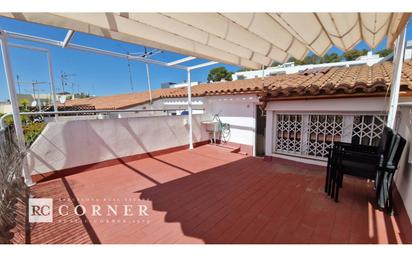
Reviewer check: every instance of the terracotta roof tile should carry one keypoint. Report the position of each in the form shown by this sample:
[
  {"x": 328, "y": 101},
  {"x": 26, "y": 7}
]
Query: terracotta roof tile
[
  {"x": 340, "y": 80},
  {"x": 326, "y": 81}
]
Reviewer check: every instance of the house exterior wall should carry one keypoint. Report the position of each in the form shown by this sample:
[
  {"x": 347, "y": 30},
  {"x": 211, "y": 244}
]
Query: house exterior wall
[
  {"x": 5, "y": 107},
  {"x": 403, "y": 177},
  {"x": 67, "y": 144},
  {"x": 373, "y": 105},
  {"x": 239, "y": 111}
]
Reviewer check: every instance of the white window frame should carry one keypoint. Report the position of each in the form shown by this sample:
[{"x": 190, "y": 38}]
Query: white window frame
[{"x": 346, "y": 136}]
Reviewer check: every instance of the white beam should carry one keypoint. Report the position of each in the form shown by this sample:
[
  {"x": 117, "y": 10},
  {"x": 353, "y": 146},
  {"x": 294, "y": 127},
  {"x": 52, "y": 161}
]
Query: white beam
[
  {"x": 121, "y": 55},
  {"x": 50, "y": 66},
  {"x": 89, "y": 49},
  {"x": 28, "y": 47},
  {"x": 189, "y": 58},
  {"x": 21, "y": 36},
  {"x": 52, "y": 85},
  {"x": 149, "y": 85},
  {"x": 14, "y": 103},
  {"x": 201, "y": 65},
  {"x": 396, "y": 78},
  {"x": 69, "y": 35},
  {"x": 189, "y": 109}
]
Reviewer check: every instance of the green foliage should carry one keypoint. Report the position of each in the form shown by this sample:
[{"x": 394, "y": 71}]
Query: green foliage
[
  {"x": 275, "y": 63},
  {"x": 244, "y": 69},
  {"x": 384, "y": 52},
  {"x": 353, "y": 54},
  {"x": 314, "y": 59},
  {"x": 329, "y": 58},
  {"x": 81, "y": 95},
  {"x": 296, "y": 61},
  {"x": 32, "y": 131},
  {"x": 241, "y": 77},
  {"x": 333, "y": 57},
  {"x": 23, "y": 104},
  {"x": 219, "y": 73},
  {"x": 9, "y": 119}
]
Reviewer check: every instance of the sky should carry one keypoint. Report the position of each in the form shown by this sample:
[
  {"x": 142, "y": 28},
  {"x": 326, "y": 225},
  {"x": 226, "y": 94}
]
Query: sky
[{"x": 97, "y": 74}]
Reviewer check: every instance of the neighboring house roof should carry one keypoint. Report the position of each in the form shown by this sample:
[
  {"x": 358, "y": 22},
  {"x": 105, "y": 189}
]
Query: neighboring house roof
[
  {"x": 123, "y": 101},
  {"x": 338, "y": 82},
  {"x": 334, "y": 82}
]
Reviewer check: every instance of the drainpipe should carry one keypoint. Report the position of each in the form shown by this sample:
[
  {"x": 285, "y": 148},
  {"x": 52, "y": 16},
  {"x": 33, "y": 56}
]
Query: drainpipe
[
  {"x": 396, "y": 78},
  {"x": 14, "y": 103}
]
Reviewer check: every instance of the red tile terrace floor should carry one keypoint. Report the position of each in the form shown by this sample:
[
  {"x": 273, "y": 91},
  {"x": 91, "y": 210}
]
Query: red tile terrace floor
[{"x": 210, "y": 195}]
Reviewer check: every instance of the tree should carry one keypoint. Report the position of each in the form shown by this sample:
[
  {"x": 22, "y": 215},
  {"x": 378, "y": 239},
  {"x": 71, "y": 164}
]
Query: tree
[
  {"x": 353, "y": 54},
  {"x": 384, "y": 52},
  {"x": 275, "y": 63},
  {"x": 245, "y": 69},
  {"x": 333, "y": 57},
  {"x": 81, "y": 95},
  {"x": 24, "y": 103},
  {"x": 219, "y": 73},
  {"x": 296, "y": 61},
  {"x": 241, "y": 77}
]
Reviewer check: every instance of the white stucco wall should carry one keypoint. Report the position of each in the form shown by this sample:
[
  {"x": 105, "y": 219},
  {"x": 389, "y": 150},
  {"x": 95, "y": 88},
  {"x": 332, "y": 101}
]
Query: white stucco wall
[
  {"x": 69, "y": 144},
  {"x": 403, "y": 177},
  {"x": 364, "y": 104},
  {"x": 237, "y": 110}
]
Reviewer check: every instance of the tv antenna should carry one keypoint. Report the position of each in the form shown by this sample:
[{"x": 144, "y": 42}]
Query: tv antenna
[
  {"x": 64, "y": 78},
  {"x": 34, "y": 84},
  {"x": 146, "y": 54}
]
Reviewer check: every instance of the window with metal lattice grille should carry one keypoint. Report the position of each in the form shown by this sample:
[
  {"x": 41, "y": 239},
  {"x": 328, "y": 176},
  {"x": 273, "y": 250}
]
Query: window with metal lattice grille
[{"x": 312, "y": 134}]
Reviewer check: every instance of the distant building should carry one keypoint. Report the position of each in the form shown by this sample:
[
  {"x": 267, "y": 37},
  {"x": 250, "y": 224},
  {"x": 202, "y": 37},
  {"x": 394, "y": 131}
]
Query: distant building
[
  {"x": 167, "y": 84},
  {"x": 41, "y": 99},
  {"x": 175, "y": 85},
  {"x": 408, "y": 50},
  {"x": 290, "y": 67},
  {"x": 5, "y": 107}
]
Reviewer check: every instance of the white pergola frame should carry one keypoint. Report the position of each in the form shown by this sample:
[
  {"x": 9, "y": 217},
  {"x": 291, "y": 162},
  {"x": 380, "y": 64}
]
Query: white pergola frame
[
  {"x": 399, "y": 50},
  {"x": 6, "y": 35}
]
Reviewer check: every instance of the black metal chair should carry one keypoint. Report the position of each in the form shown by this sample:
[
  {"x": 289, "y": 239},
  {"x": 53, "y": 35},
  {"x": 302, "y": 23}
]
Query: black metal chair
[
  {"x": 357, "y": 160},
  {"x": 385, "y": 174}
]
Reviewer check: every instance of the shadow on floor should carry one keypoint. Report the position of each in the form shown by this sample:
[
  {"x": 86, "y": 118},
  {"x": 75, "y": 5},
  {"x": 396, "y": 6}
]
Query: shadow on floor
[{"x": 255, "y": 201}]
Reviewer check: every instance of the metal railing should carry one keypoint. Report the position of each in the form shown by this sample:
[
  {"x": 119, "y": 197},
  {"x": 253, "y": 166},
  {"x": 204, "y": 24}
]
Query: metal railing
[{"x": 79, "y": 113}]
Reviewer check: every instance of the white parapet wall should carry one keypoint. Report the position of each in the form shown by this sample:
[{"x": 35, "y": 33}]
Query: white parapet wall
[{"x": 68, "y": 144}]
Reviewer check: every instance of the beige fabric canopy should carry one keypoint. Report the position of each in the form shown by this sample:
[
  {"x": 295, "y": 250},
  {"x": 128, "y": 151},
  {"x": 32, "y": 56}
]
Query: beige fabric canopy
[{"x": 244, "y": 39}]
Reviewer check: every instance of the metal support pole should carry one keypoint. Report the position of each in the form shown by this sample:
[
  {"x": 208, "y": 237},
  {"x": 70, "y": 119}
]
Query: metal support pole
[
  {"x": 189, "y": 109},
  {"x": 67, "y": 39},
  {"x": 149, "y": 84},
  {"x": 396, "y": 78},
  {"x": 52, "y": 85},
  {"x": 14, "y": 103}
]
